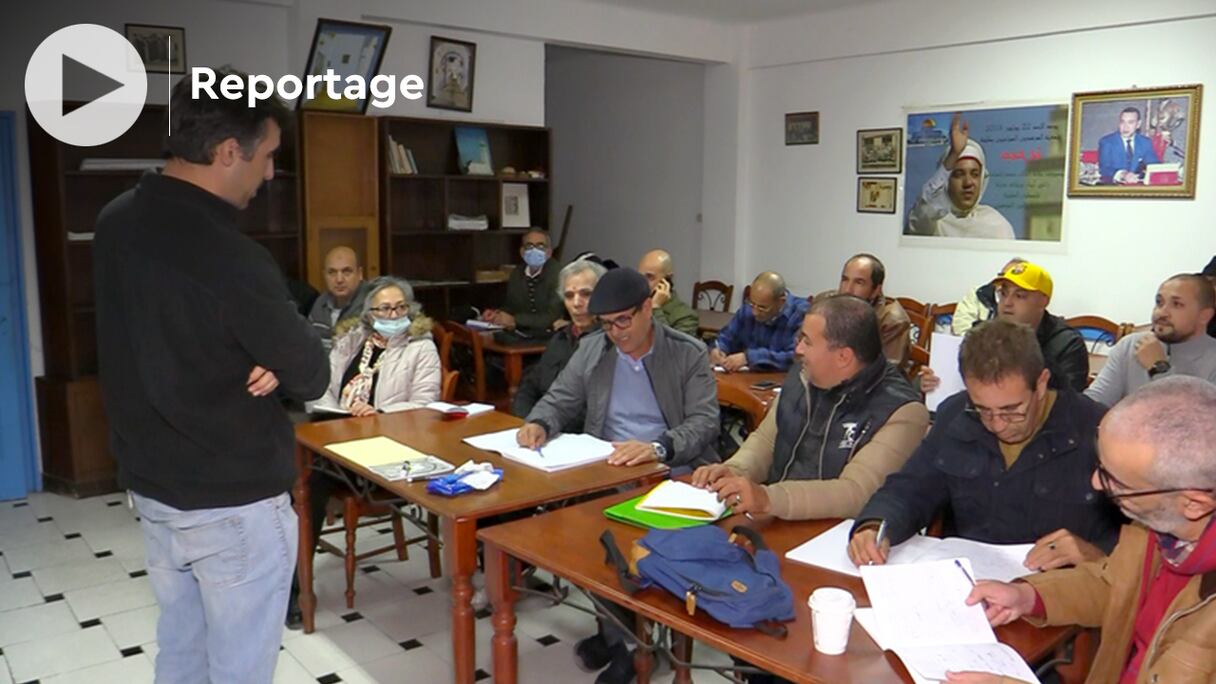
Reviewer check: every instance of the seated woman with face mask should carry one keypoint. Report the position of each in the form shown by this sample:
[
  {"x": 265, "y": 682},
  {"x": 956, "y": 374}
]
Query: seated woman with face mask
[
  {"x": 949, "y": 204},
  {"x": 386, "y": 361}
]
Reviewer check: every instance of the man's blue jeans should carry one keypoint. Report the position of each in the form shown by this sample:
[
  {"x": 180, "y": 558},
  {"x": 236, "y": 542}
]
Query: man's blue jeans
[{"x": 221, "y": 577}]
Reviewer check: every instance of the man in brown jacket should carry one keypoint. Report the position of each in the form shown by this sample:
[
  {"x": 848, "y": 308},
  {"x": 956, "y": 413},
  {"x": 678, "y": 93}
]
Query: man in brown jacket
[
  {"x": 863, "y": 276},
  {"x": 845, "y": 419},
  {"x": 1155, "y": 596}
]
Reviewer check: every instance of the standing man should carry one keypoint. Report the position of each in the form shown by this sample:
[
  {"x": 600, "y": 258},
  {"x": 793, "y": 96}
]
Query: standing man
[
  {"x": 195, "y": 332},
  {"x": 1123, "y": 153},
  {"x": 761, "y": 334},
  {"x": 533, "y": 303},
  {"x": 343, "y": 296},
  {"x": 863, "y": 276},
  {"x": 1177, "y": 345},
  {"x": 669, "y": 309}
]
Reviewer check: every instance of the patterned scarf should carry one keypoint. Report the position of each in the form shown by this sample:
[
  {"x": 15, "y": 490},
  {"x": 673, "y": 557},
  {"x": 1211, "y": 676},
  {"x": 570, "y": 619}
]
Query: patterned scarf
[{"x": 359, "y": 389}]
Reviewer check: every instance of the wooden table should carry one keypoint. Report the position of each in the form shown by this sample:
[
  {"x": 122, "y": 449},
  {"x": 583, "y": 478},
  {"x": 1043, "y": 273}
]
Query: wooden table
[
  {"x": 712, "y": 321},
  {"x": 735, "y": 389},
  {"x": 513, "y": 359},
  {"x": 565, "y": 542},
  {"x": 521, "y": 488}
]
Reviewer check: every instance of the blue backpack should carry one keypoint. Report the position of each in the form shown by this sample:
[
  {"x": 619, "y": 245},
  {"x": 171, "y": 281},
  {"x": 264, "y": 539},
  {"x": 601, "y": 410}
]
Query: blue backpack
[{"x": 704, "y": 566}]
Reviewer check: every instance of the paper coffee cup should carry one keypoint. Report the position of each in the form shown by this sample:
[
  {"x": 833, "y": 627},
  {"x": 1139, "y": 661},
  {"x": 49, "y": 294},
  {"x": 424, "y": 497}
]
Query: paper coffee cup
[{"x": 831, "y": 619}]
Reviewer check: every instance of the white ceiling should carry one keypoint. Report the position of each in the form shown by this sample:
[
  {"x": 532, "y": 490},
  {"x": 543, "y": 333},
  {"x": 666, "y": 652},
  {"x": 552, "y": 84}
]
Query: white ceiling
[{"x": 736, "y": 11}]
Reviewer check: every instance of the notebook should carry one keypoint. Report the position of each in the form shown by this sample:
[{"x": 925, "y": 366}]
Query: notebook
[
  {"x": 469, "y": 409},
  {"x": 628, "y": 513},
  {"x": 415, "y": 469},
  {"x": 375, "y": 451},
  {"x": 565, "y": 451},
  {"x": 682, "y": 500}
]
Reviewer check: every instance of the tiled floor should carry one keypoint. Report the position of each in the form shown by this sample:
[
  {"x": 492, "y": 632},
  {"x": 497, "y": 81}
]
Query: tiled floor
[{"x": 77, "y": 608}]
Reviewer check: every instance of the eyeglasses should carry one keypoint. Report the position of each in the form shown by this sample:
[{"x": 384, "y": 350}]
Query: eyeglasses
[
  {"x": 536, "y": 245},
  {"x": 988, "y": 415},
  {"x": 390, "y": 309},
  {"x": 1109, "y": 482},
  {"x": 620, "y": 322}
]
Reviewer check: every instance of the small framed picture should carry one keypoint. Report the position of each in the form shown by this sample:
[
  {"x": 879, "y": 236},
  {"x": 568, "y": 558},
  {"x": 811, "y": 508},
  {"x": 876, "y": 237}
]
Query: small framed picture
[
  {"x": 515, "y": 210},
  {"x": 876, "y": 195},
  {"x": 451, "y": 70},
  {"x": 880, "y": 150},
  {"x": 162, "y": 48},
  {"x": 802, "y": 128},
  {"x": 349, "y": 49},
  {"x": 1135, "y": 143}
]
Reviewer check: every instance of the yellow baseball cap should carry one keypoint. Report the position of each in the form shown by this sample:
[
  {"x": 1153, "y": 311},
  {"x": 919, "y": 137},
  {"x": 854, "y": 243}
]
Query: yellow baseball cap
[{"x": 1027, "y": 276}]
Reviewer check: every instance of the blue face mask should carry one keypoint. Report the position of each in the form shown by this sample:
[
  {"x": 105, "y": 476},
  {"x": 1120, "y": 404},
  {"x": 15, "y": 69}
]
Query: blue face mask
[
  {"x": 535, "y": 257},
  {"x": 389, "y": 327}
]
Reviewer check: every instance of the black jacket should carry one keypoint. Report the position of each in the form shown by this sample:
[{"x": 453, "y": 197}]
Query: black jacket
[
  {"x": 542, "y": 374},
  {"x": 1064, "y": 352},
  {"x": 959, "y": 469},
  {"x": 186, "y": 307},
  {"x": 818, "y": 431}
]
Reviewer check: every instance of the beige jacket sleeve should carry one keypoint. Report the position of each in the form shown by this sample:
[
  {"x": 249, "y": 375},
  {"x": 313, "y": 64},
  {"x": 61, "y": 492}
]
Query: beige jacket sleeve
[
  {"x": 1079, "y": 595},
  {"x": 844, "y": 496}
]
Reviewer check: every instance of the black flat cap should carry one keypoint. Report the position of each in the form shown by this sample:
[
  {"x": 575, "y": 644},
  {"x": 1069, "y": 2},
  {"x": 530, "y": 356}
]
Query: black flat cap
[{"x": 618, "y": 290}]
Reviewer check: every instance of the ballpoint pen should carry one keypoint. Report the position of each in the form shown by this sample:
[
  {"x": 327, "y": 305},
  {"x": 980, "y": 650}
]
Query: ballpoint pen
[
  {"x": 539, "y": 452},
  {"x": 882, "y": 533},
  {"x": 965, "y": 573}
]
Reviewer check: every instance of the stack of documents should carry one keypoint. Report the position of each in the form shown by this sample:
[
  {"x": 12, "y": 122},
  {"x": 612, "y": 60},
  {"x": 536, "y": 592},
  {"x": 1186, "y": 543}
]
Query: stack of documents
[
  {"x": 683, "y": 501},
  {"x": 469, "y": 409},
  {"x": 391, "y": 459},
  {"x": 482, "y": 325},
  {"x": 566, "y": 451},
  {"x": 1001, "y": 562},
  {"x": 934, "y": 632}
]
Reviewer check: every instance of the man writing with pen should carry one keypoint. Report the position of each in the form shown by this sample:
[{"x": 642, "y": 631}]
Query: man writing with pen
[
  {"x": 844, "y": 420},
  {"x": 1008, "y": 461}
]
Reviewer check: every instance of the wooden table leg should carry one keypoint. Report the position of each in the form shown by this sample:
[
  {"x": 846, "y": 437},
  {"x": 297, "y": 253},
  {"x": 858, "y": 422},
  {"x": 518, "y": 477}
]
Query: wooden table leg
[
  {"x": 643, "y": 660},
  {"x": 514, "y": 372},
  {"x": 300, "y": 494},
  {"x": 500, "y": 584},
  {"x": 682, "y": 649},
  {"x": 460, "y": 543}
]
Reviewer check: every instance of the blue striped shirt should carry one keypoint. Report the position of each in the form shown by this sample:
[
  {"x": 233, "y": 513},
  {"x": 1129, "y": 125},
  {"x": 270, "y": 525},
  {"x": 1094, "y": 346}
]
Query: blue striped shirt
[{"x": 768, "y": 345}]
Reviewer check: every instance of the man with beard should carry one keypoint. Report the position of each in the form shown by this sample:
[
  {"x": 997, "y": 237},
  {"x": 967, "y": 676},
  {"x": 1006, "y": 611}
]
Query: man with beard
[
  {"x": 1177, "y": 345},
  {"x": 863, "y": 276},
  {"x": 1155, "y": 597}
]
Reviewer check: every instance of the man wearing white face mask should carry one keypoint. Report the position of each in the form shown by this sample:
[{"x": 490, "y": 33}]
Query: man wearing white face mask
[
  {"x": 532, "y": 302},
  {"x": 948, "y": 205}
]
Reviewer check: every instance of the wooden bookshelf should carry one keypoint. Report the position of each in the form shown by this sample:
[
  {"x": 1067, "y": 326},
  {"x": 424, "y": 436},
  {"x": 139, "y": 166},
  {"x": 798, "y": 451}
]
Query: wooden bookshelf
[
  {"x": 72, "y": 425},
  {"x": 414, "y": 208}
]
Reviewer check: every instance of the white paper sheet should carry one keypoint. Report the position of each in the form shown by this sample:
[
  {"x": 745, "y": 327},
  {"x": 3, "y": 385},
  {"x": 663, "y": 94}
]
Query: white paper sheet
[
  {"x": 991, "y": 561},
  {"x": 673, "y": 497},
  {"x": 566, "y": 451},
  {"x": 865, "y": 617},
  {"x": 482, "y": 325},
  {"x": 910, "y": 616},
  {"x": 932, "y": 662},
  {"x": 375, "y": 451},
  {"x": 472, "y": 409},
  {"x": 943, "y": 359}
]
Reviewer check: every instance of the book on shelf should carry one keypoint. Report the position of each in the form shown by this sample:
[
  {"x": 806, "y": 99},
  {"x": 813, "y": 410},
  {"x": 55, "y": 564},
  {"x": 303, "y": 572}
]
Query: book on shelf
[
  {"x": 409, "y": 156},
  {"x": 400, "y": 159},
  {"x": 80, "y": 237},
  {"x": 458, "y": 222},
  {"x": 473, "y": 147}
]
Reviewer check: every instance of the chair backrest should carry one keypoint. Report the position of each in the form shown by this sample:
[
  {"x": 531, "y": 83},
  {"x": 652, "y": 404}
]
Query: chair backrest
[
  {"x": 443, "y": 342},
  {"x": 447, "y": 390},
  {"x": 918, "y": 358},
  {"x": 467, "y": 350},
  {"x": 713, "y": 295},
  {"x": 942, "y": 316},
  {"x": 913, "y": 306},
  {"x": 921, "y": 331},
  {"x": 1098, "y": 332},
  {"x": 744, "y": 400}
]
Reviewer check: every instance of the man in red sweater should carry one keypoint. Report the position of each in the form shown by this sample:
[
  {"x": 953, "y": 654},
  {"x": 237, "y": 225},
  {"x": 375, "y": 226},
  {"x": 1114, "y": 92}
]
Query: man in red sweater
[{"x": 1155, "y": 596}]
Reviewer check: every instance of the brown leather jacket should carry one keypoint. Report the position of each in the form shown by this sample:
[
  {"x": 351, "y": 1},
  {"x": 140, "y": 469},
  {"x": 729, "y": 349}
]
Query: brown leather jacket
[{"x": 1106, "y": 594}]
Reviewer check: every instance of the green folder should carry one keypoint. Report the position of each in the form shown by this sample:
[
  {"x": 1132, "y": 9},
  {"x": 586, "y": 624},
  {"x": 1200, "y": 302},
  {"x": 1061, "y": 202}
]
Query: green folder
[{"x": 628, "y": 513}]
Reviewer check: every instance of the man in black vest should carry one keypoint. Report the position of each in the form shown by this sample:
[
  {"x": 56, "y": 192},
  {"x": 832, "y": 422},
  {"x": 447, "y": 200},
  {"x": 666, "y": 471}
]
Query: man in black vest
[{"x": 845, "y": 419}]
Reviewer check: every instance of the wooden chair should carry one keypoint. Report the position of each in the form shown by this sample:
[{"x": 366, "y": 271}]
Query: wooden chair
[
  {"x": 738, "y": 397},
  {"x": 912, "y": 306},
  {"x": 447, "y": 390},
  {"x": 713, "y": 295},
  {"x": 443, "y": 343},
  {"x": 921, "y": 331},
  {"x": 942, "y": 316},
  {"x": 466, "y": 343},
  {"x": 918, "y": 358},
  {"x": 1098, "y": 332}
]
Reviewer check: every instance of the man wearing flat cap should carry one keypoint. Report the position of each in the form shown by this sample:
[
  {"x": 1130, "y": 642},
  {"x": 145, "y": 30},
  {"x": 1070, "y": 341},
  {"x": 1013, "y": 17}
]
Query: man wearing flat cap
[{"x": 644, "y": 387}]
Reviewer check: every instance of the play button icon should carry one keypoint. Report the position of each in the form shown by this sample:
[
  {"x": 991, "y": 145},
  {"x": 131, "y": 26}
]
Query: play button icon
[{"x": 90, "y": 63}]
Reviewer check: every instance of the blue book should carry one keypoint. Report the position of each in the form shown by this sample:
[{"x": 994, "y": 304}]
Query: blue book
[{"x": 474, "y": 149}]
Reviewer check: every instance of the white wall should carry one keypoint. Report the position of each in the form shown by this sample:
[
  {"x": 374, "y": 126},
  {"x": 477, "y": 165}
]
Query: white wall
[
  {"x": 798, "y": 202},
  {"x": 627, "y": 153}
]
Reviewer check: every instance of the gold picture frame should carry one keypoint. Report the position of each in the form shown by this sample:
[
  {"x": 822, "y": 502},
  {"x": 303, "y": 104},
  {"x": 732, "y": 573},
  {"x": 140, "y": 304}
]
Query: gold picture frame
[
  {"x": 1141, "y": 142},
  {"x": 876, "y": 194}
]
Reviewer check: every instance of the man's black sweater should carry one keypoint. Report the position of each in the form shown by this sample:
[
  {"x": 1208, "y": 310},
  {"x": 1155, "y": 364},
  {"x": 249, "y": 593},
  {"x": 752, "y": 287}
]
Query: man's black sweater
[{"x": 187, "y": 306}]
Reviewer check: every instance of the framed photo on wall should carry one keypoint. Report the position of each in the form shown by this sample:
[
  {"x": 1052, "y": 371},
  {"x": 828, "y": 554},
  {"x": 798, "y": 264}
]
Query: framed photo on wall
[
  {"x": 162, "y": 48},
  {"x": 349, "y": 48},
  {"x": 880, "y": 150},
  {"x": 452, "y": 71},
  {"x": 1135, "y": 143},
  {"x": 802, "y": 128},
  {"x": 876, "y": 195}
]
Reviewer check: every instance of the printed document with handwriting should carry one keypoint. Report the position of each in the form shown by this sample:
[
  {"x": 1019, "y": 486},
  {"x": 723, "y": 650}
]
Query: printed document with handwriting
[
  {"x": 566, "y": 451},
  {"x": 936, "y": 631}
]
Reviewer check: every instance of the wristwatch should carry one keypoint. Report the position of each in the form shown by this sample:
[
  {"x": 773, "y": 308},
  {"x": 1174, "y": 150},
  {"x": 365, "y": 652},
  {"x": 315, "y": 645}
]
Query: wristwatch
[
  {"x": 1159, "y": 368},
  {"x": 660, "y": 451}
]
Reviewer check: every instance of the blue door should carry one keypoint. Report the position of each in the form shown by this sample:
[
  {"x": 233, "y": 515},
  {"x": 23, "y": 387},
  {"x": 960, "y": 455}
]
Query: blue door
[{"x": 18, "y": 458}]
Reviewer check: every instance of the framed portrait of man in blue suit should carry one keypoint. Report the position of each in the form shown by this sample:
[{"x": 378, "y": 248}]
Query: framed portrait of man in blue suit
[{"x": 1135, "y": 143}]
